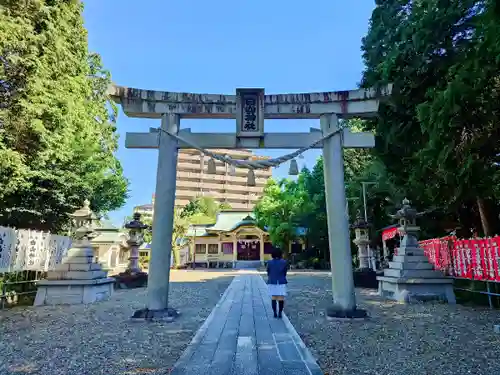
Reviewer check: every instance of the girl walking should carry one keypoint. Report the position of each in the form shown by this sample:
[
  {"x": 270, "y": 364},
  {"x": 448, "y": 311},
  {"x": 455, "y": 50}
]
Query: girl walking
[{"x": 276, "y": 282}]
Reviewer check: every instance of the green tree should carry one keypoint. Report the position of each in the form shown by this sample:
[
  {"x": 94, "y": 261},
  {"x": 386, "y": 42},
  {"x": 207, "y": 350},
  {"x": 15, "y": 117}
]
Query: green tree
[
  {"x": 57, "y": 132},
  {"x": 279, "y": 210},
  {"x": 179, "y": 238},
  {"x": 203, "y": 210},
  {"x": 437, "y": 135}
]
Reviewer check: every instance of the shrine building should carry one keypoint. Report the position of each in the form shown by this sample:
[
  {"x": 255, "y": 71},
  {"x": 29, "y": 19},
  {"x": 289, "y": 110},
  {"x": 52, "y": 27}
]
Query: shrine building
[{"x": 234, "y": 240}]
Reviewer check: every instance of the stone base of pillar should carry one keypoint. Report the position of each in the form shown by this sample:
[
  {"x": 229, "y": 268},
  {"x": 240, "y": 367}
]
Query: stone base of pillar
[
  {"x": 166, "y": 315},
  {"x": 365, "y": 278},
  {"x": 411, "y": 278},
  {"x": 337, "y": 313},
  {"x": 78, "y": 279},
  {"x": 131, "y": 280}
]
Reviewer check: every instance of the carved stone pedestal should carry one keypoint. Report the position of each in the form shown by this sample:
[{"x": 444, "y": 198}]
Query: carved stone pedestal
[
  {"x": 131, "y": 280},
  {"x": 76, "y": 280},
  {"x": 365, "y": 278}
]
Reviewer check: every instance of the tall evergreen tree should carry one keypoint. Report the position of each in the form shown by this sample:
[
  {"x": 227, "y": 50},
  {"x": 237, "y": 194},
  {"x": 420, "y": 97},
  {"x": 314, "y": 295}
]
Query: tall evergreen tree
[
  {"x": 57, "y": 132},
  {"x": 436, "y": 136}
]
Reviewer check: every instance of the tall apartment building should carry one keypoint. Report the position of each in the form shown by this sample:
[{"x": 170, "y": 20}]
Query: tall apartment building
[
  {"x": 193, "y": 179},
  {"x": 146, "y": 210}
]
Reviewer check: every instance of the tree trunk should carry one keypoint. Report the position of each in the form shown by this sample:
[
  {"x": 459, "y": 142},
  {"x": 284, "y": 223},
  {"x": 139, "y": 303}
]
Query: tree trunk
[{"x": 484, "y": 217}]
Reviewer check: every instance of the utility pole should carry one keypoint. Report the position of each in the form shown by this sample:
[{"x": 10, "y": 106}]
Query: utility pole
[{"x": 370, "y": 251}]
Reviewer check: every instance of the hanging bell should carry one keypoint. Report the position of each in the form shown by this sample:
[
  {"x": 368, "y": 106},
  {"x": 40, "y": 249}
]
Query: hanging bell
[
  {"x": 211, "y": 169},
  {"x": 294, "y": 168},
  {"x": 251, "y": 178}
]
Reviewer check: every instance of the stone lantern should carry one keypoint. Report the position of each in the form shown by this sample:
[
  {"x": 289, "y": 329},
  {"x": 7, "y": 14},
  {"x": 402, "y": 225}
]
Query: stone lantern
[
  {"x": 408, "y": 228},
  {"x": 134, "y": 277},
  {"x": 410, "y": 276},
  {"x": 364, "y": 276},
  {"x": 362, "y": 240},
  {"x": 78, "y": 278},
  {"x": 136, "y": 239},
  {"x": 83, "y": 221}
]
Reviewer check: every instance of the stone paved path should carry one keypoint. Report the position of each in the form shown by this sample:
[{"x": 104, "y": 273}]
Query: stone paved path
[{"x": 242, "y": 337}]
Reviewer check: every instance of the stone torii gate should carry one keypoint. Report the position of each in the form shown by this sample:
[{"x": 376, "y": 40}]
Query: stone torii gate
[{"x": 250, "y": 107}]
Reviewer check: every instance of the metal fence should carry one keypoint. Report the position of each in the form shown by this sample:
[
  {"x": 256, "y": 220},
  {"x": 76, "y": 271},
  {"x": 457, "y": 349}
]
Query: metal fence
[{"x": 19, "y": 287}]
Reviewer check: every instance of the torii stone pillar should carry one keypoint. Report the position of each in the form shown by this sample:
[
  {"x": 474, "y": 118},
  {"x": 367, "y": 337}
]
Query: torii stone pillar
[
  {"x": 163, "y": 221},
  {"x": 344, "y": 296},
  {"x": 250, "y": 107}
]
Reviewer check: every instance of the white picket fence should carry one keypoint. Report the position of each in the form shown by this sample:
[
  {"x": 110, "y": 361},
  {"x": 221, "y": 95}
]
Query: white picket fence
[{"x": 30, "y": 250}]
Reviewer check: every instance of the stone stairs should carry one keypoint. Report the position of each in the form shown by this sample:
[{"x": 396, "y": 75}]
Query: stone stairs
[{"x": 246, "y": 264}]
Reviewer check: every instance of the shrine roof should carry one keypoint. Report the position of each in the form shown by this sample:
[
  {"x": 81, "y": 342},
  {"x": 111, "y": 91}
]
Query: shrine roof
[
  {"x": 145, "y": 246},
  {"x": 109, "y": 237},
  {"x": 228, "y": 221},
  {"x": 198, "y": 230},
  {"x": 107, "y": 226},
  {"x": 388, "y": 227}
]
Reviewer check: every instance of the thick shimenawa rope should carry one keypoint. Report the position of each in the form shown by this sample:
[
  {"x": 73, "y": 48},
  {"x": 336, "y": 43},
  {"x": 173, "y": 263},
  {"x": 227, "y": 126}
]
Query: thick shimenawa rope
[{"x": 254, "y": 164}]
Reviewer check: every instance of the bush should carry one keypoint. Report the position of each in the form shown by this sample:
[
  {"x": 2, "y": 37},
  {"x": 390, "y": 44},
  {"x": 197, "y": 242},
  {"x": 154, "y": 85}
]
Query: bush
[
  {"x": 19, "y": 288},
  {"x": 144, "y": 261}
]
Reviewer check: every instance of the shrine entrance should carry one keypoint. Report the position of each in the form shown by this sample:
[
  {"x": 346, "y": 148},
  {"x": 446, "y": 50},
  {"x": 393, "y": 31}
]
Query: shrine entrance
[
  {"x": 248, "y": 248},
  {"x": 250, "y": 107}
]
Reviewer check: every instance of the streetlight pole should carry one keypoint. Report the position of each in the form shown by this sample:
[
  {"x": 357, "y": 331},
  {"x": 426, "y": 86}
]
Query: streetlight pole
[{"x": 363, "y": 184}]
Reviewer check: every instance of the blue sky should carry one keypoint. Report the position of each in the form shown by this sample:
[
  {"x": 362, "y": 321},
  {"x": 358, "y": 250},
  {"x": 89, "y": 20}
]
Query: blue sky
[{"x": 219, "y": 45}]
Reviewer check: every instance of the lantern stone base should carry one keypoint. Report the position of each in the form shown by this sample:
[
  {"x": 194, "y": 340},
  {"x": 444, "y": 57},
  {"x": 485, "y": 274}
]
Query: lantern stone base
[
  {"x": 414, "y": 290},
  {"x": 411, "y": 278},
  {"x": 165, "y": 315},
  {"x": 365, "y": 278},
  {"x": 131, "y": 280},
  {"x": 59, "y": 292},
  {"x": 336, "y": 313}
]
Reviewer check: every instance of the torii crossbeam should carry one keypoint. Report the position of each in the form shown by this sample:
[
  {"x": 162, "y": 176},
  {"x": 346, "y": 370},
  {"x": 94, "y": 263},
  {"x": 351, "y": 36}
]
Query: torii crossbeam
[{"x": 250, "y": 107}]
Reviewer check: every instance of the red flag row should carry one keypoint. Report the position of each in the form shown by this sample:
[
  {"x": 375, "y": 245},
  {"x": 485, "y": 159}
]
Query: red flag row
[{"x": 475, "y": 259}]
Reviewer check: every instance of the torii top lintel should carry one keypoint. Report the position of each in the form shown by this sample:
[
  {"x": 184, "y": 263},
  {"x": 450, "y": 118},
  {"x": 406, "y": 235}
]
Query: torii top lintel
[{"x": 152, "y": 104}]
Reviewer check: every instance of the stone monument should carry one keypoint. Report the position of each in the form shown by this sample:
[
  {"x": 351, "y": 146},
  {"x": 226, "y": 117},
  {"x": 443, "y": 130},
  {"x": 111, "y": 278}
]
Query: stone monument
[
  {"x": 410, "y": 276},
  {"x": 364, "y": 276},
  {"x": 134, "y": 277},
  {"x": 77, "y": 279}
]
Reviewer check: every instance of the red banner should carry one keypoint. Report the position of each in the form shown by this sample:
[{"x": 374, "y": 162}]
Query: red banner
[
  {"x": 389, "y": 233},
  {"x": 475, "y": 259}
]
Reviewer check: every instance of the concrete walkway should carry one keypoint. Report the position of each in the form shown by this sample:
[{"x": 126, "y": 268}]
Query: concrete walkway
[{"x": 242, "y": 337}]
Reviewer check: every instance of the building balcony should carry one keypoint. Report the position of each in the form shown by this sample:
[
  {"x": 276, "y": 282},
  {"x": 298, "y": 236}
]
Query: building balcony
[
  {"x": 219, "y": 186},
  {"x": 221, "y": 171},
  {"x": 216, "y": 179},
  {"x": 222, "y": 197}
]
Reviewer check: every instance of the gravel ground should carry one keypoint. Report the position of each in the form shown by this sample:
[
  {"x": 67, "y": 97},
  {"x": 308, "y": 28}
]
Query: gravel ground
[
  {"x": 397, "y": 339},
  {"x": 100, "y": 338}
]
